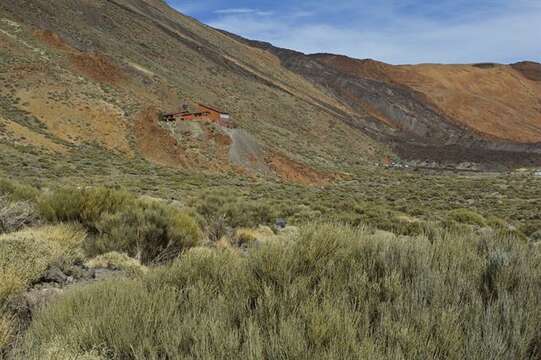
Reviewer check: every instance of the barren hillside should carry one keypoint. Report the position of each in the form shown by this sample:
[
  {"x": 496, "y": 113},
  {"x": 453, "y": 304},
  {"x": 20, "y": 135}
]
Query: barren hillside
[
  {"x": 497, "y": 101},
  {"x": 485, "y": 113}
]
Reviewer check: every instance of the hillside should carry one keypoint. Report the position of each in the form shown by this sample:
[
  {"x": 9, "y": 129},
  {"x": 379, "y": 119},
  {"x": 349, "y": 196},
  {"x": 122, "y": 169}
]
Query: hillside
[
  {"x": 96, "y": 74},
  {"x": 485, "y": 113},
  {"x": 496, "y": 101},
  {"x": 99, "y": 72}
]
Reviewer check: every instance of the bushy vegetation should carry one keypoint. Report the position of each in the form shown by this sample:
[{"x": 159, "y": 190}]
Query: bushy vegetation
[
  {"x": 118, "y": 221},
  {"x": 466, "y": 216},
  {"x": 436, "y": 283},
  {"x": 15, "y": 215},
  {"x": 237, "y": 211},
  {"x": 17, "y": 191},
  {"x": 117, "y": 261},
  {"x": 85, "y": 206},
  {"x": 82, "y": 223},
  {"x": 149, "y": 231},
  {"x": 332, "y": 292},
  {"x": 24, "y": 257}
]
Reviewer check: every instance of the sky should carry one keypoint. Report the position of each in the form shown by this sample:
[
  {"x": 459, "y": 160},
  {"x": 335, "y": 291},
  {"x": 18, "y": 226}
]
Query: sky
[{"x": 394, "y": 31}]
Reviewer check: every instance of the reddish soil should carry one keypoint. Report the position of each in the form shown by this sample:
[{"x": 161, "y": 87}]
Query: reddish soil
[
  {"x": 97, "y": 67},
  {"x": 492, "y": 100},
  {"x": 155, "y": 143},
  {"x": 52, "y": 39},
  {"x": 296, "y": 172},
  {"x": 220, "y": 139}
]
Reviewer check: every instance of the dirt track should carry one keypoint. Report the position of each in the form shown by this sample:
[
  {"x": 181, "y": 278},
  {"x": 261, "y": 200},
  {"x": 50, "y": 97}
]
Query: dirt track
[{"x": 246, "y": 152}]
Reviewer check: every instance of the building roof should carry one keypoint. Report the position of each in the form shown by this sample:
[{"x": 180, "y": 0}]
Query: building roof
[
  {"x": 185, "y": 113},
  {"x": 213, "y": 109}
]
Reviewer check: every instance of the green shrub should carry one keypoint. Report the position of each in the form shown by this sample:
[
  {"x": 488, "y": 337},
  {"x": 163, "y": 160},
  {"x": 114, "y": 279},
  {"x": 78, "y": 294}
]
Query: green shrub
[
  {"x": 83, "y": 205},
  {"x": 148, "y": 231},
  {"x": 117, "y": 261},
  {"x": 27, "y": 254},
  {"x": 536, "y": 236},
  {"x": 465, "y": 216},
  {"x": 17, "y": 192},
  {"x": 24, "y": 257},
  {"x": 531, "y": 227},
  {"x": 130, "y": 319},
  {"x": 330, "y": 292},
  {"x": 6, "y": 330},
  {"x": 237, "y": 212}
]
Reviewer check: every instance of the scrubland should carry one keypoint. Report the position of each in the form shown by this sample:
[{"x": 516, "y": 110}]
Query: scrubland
[{"x": 210, "y": 277}]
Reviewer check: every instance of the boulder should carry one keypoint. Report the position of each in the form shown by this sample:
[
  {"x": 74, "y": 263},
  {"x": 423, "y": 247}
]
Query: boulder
[{"x": 54, "y": 275}]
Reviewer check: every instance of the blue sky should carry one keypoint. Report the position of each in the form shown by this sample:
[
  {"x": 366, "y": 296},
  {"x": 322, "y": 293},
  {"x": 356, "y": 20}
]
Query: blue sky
[{"x": 394, "y": 31}]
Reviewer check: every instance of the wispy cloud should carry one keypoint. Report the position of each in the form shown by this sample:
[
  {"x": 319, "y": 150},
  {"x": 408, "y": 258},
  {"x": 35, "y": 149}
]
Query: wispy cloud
[
  {"x": 235, "y": 11},
  {"x": 395, "y": 31}
]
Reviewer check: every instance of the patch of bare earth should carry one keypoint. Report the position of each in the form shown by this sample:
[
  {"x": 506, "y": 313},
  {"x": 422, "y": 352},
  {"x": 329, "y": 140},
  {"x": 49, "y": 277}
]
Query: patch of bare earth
[
  {"x": 495, "y": 102},
  {"x": 156, "y": 143},
  {"x": 296, "y": 172},
  {"x": 52, "y": 39},
  {"x": 97, "y": 67}
]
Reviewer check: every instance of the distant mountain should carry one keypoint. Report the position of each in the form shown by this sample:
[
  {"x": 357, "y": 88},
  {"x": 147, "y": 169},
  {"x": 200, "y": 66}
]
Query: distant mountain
[
  {"x": 478, "y": 112},
  {"x": 74, "y": 73}
]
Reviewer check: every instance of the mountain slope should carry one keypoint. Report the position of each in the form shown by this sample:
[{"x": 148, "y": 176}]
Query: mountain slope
[
  {"x": 496, "y": 101},
  {"x": 100, "y": 71},
  {"x": 483, "y": 112},
  {"x": 97, "y": 73}
]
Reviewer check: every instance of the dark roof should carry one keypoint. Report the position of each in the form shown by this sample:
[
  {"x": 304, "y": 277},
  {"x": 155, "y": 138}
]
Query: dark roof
[
  {"x": 185, "y": 113},
  {"x": 213, "y": 109}
]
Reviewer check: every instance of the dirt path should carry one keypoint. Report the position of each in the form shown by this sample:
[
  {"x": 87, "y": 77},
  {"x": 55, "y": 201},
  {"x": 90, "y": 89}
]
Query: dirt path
[{"x": 245, "y": 151}]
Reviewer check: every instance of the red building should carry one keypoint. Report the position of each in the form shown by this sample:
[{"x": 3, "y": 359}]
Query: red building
[{"x": 204, "y": 113}]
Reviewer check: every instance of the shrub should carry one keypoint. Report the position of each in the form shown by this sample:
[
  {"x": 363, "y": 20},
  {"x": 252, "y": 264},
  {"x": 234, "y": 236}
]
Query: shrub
[
  {"x": 216, "y": 228},
  {"x": 6, "y": 330},
  {"x": 332, "y": 292},
  {"x": 465, "y": 216},
  {"x": 17, "y": 192},
  {"x": 117, "y": 261},
  {"x": 536, "y": 236},
  {"x": 55, "y": 351},
  {"x": 531, "y": 227},
  {"x": 11, "y": 284},
  {"x": 149, "y": 231},
  {"x": 130, "y": 320},
  {"x": 27, "y": 254},
  {"x": 24, "y": 257},
  {"x": 244, "y": 237},
  {"x": 83, "y": 205},
  {"x": 237, "y": 212}
]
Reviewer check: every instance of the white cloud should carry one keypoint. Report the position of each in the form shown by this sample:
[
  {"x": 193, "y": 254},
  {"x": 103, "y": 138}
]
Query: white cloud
[
  {"x": 243, "y": 11},
  {"x": 235, "y": 11},
  {"x": 398, "y": 37}
]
